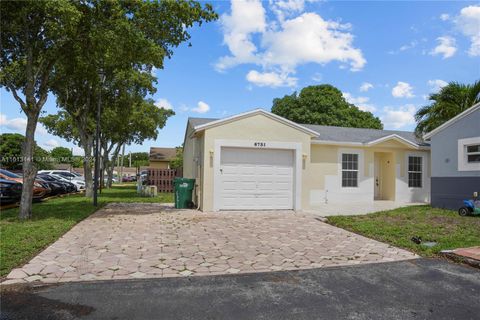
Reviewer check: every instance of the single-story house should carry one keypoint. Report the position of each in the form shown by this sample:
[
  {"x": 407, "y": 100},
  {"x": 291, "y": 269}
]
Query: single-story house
[
  {"x": 259, "y": 160},
  {"x": 160, "y": 157},
  {"x": 455, "y": 147}
]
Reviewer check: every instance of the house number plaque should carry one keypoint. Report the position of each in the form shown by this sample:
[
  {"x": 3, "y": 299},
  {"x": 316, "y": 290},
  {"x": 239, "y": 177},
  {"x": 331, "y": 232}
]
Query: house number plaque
[{"x": 259, "y": 144}]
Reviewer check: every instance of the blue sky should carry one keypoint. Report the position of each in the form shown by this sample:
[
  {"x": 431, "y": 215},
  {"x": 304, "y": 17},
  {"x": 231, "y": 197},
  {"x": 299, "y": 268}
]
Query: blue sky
[{"x": 385, "y": 56}]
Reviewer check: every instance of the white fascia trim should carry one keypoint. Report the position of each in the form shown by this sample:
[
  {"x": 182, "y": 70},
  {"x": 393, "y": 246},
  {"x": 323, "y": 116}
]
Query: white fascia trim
[
  {"x": 339, "y": 143},
  {"x": 465, "y": 113},
  {"x": 251, "y": 113},
  {"x": 371, "y": 143}
]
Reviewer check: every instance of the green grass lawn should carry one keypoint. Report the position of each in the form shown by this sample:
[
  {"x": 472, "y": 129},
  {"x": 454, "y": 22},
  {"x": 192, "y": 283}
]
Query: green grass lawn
[
  {"x": 398, "y": 226},
  {"x": 21, "y": 240}
]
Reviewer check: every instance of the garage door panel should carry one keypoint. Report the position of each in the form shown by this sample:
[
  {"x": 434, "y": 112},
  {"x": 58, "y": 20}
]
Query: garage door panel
[{"x": 256, "y": 179}]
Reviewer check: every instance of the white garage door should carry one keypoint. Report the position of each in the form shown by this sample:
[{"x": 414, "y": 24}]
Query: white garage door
[{"x": 255, "y": 179}]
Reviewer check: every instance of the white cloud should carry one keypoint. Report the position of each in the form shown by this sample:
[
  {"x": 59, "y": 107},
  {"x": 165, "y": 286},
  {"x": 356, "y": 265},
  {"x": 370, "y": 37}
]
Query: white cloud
[
  {"x": 411, "y": 45},
  {"x": 366, "y": 86},
  {"x": 308, "y": 38},
  {"x": 360, "y": 102},
  {"x": 436, "y": 85},
  {"x": 285, "y": 42},
  {"x": 400, "y": 117},
  {"x": 163, "y": 104},
  {"x": 50, "y": 144},
  {"x": 246, "y": 17},
  {"x": 317, "y": 77},
  {"x": 402, "y": 90},
  {"x": 446, "y": 47},
  {"x": 469, "y": 24},
  {"x": 202, "y": 107},
  {"x": 18, "y": 125},
  {"x": 444, "y": 16},
  {"x": 270, "y": 79}
]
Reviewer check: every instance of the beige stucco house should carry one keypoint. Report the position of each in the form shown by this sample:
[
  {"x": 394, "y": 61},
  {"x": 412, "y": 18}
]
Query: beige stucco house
[
  {"x": 160, "y": 158},
  {"x": 257, "y": 160}
]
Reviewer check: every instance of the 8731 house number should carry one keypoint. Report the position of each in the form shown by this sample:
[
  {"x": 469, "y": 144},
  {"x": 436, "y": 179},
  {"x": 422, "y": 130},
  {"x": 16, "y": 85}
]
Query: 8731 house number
[{"x": 260, "y": 144}]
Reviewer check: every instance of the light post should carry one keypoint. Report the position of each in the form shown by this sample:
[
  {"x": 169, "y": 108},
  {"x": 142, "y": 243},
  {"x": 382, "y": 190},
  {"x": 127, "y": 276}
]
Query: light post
[{"x": 96, "y": 174}]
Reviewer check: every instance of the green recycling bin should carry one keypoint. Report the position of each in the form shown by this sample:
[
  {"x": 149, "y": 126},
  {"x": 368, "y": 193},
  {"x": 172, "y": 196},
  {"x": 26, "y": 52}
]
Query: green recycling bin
[{"x": 183, "y": 192}]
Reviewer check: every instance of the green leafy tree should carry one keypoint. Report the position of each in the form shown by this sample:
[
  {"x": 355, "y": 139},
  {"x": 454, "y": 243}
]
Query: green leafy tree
[
  {"x": 177, "y": 162},
  {"x": 139, "y": 159},
  {"x": 451, "y": 100},
  {"x": 34, "y": 34},
  {"x": 111, "y": 58},
  {"x": 77, "y": 161},
  {"x": 323, "y": 105},
  {"x": 11, "y": 151},
  {"x": 62, "y": 155}
]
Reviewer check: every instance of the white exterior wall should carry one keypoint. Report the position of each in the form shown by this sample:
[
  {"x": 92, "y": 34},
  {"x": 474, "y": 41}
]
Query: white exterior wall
[
  {"x": 332, "y": 191},
  {"x": 317, "y": 167}
]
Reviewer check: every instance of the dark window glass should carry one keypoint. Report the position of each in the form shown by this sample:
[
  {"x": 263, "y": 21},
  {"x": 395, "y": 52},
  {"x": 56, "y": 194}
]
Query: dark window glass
[
  {"x": 415, "y": 172},
  {"x": 349, "y": 170},
  {"x": 474, "y": 148},
  {"x": 473, "y": 158}
]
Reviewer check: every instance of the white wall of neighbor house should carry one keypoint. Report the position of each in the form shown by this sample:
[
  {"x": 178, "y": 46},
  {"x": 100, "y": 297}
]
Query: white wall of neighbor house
[{"x": 324, "y": 183}]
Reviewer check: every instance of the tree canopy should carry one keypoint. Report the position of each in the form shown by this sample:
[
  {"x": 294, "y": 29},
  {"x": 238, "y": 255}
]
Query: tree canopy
[
  {"x": 177, "y": 162},
  {"x": 11, "y": 153},
  {"x": 34, "y": 35},
  {"x": 451, "y": 100},
  {"x": 323, "y": 105},
  {"x": 61, "y": 155}
]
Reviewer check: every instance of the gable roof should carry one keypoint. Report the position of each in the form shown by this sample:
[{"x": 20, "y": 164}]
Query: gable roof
[
  {"x": 162, "y": 154},
  {"x": 445, "y": 125},
  {"x": 337, "y": 135},
  {"x": 217, "y": 122}
]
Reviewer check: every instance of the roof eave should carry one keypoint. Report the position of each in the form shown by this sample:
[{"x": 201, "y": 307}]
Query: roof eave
[
  {"x": 445, "y": 125},
  {"x": 219, "y": 122}
]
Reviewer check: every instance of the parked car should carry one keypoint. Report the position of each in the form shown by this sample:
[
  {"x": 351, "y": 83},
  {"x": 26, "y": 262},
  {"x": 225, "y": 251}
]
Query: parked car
[
  {"x": 64, "y": 174},
  {"x": 57, "y": 187},
  {"x": 10, "y": 191},
  {"x": 78, "y": 184},
  {"x": 39, "y": 190},
  {"x": 129, "y": 179}
]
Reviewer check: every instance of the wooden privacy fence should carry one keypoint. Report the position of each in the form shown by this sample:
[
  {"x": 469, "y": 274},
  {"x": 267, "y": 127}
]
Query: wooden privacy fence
[{"x": 162, "y": 178}]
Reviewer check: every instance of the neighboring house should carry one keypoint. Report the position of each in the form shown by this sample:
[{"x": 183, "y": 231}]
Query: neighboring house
[
  {"x": 258, "y": 160},
  {"x": 160, "y": 157},
  {"x": 456, "y": 159}
]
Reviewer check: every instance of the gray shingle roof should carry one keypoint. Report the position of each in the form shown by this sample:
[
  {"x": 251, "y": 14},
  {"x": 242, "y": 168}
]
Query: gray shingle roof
[{"x": 340, "y": 134}]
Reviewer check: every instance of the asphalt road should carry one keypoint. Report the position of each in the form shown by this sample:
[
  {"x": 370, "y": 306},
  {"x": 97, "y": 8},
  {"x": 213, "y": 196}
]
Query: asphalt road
[{"x": 417, "y": 289}]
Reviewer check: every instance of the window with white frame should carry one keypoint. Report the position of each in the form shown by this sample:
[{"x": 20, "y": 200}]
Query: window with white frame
[
  {"x": 415, "y": 169},
  {"x": 473, "y": 153},
  {"x": 349, "y": 170},
  {"x": 469, "y": 154}
]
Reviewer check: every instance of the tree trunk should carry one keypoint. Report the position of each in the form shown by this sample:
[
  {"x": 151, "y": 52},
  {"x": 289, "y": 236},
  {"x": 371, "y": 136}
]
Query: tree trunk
[
  {"x": 105, "y": 165},
  {"x": 112, "y": 165},
  {"x": 29, "y": 168},
  {"x": 87, "y": 145}
]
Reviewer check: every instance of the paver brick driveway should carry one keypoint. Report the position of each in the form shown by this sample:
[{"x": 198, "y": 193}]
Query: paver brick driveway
[{"x": 150, "y": 240}]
